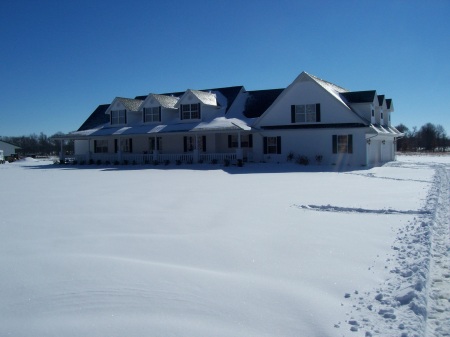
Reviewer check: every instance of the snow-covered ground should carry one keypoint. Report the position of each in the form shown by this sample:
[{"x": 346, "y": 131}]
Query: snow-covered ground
[{"x": 263, "y": 250}]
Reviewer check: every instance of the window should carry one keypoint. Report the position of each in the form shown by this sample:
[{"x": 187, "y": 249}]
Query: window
[
  {"x": 100, "y": 146},
  {"x": 381, "y": 115},
  {"x": 190, "y": 111},
  {"x": 126, "y": 145},
  {"x": 373, "y": 113},
  {"x": 246, "y": 141},
  {"x": 152, "y": 114},
  {"x": 158, "y": 144},
  {"x": 342, "y": 143},
  {"x": 118, "y": 117},
  {"x": 305, "y": 113},
  {"x": 189, "y": 143},
  {"x": 272, "y": 145}
]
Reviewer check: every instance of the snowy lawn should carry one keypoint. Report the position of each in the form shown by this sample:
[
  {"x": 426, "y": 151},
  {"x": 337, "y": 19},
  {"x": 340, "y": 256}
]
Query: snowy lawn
[{"x": 263, "y": 250}]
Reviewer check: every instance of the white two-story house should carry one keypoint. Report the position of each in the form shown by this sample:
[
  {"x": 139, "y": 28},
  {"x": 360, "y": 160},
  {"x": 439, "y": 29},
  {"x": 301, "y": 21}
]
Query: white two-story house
[{"x": 311, "y": 117}]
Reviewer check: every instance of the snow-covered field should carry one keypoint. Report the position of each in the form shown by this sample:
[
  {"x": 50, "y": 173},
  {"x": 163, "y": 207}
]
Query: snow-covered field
[{"x": 263, "y": 250}]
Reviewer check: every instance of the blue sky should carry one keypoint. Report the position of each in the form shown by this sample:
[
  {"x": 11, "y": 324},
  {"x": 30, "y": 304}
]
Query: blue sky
[{"x": 61, "y": 59}]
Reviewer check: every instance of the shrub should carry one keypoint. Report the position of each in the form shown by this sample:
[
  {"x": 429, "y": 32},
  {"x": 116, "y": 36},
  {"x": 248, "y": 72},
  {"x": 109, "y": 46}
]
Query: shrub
[
  {"x": 302, "y": 160},
  {"x": 125, "y": 162},
  {"x": 226, "y": 162},
  {"x": 319, "y": 159},
  {"x": 290, "y": 156},
  {"x": 91, "y": 161},
  {"x": 134, "y": 162},
  {"x": 155, "y": 162},
  {"x": 214, "y": 161},
  {"x": 116, "y": 162},
  {"x": 98, "y": 162},
  {"x": 166, "y": 162},
  {"x": 178, "y": 162}
]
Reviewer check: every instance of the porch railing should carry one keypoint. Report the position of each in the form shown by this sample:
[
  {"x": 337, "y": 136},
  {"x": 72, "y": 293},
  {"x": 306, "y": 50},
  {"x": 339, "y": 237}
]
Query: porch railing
[{"x": 135, "y": 158}]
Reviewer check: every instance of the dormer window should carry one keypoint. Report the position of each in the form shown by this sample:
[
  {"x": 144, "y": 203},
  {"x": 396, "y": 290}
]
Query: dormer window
[
  {"x": 152, "y": 114},
  {"x": 118, "y": 117},
  {"x": 305, "y": 113},
  {"x": 190, "y": 111}
]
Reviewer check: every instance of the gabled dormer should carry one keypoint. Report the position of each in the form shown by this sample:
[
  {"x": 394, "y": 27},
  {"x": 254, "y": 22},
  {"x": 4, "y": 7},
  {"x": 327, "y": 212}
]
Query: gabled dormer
[
  {"x": 158, "y": 108},
  {"x": 381, "y": 110},
  {"x": 193, "y": 105},
  {"x": 389, "y": 110},
  {"x": 123, "y": 111},
  {"x": 363, "y": 103}
]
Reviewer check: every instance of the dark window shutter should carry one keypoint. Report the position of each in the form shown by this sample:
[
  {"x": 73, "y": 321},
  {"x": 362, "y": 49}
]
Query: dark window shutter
[
  {"x": 131, "y": 145},
  {"x": 199, "y": 111},
  {"x": 143, "y": 115},
  {"x": 292, "y": 113},
  {"x": 159, "y": 113},
  {"x": 318, "y": 112},
  {"x": 204, "y": 143},
  {"x": 185, "y": 143},
  {"x": 181, "y": 113},
  {"x": 334, "y": 143},
  {"x": 350, "y": 143},
  {"x": 125, "y": 116},
  {"x": 95, "y": 146},
  {"x": 250, "y": 140},
  {"x": 115, "y": 146},
  {"x": 278, "y": 145},
  {"x": 229, "y": 141},
  {"x": 265, "y": 145}
]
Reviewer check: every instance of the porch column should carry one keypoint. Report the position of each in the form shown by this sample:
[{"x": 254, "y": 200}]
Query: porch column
[
  {"x": 239, "y": 153},
  {"x": 61, "y": 153},
  {"x": 195, "y": 152},
  {"x": 88, "y": 154},
  {"x": 155, "y": 149}
]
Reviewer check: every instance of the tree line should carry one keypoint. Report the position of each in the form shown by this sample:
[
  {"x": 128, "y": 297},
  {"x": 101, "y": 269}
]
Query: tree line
[
  {"x": 39, "y": 145},
  {"x": 429, "y": 138}
]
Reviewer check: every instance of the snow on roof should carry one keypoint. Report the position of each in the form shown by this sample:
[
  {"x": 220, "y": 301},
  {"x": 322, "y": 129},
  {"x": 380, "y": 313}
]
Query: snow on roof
[
  {"x": 130, "y": 103},
  {"x": 207, "y": 98},
  {"x": 165, "y": 100}
]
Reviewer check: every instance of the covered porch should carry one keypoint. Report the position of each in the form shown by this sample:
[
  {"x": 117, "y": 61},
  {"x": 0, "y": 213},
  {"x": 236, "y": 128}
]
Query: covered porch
[{"x": 231, "y": 147}]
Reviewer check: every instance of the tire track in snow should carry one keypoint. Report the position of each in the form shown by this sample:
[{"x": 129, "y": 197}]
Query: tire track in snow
[
  {"x": 415, "y": 300},
  {"x": 339, "y": 209},
  {"x": 438, "y": 305}
]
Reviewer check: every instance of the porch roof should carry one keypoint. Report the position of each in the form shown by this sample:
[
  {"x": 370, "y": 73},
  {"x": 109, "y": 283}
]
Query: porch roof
[{"x": 216, "y": 125}]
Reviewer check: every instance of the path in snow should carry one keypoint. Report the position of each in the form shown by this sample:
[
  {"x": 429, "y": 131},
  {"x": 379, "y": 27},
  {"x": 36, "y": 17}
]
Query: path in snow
[{"x": 415, "y": 301}]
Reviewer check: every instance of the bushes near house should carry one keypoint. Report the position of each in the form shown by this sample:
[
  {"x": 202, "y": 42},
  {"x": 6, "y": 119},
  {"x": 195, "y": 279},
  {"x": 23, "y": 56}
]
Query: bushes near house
[{"x": 302, "y": 160}]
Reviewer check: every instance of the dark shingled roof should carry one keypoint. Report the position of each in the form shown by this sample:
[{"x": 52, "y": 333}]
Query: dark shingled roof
[
  {"x": 258, "y": 101},
  {"x": 359, "y": 96},
  {"x": 98, "y": 117},
  {"x": 380, "y": 99},
  {"x": 388, "y": 102}
]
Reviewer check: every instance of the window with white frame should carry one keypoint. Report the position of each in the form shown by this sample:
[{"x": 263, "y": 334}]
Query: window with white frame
[
  {"x": 118, "y": 117},
  {"x": 305, "y": 113},
  {"x": 100, "y": 146},
  {"x": 342, "y": 144},
  {"x": 246, "y": 141},
  {"x": 152, "y": 114},
  {"x": 272, "y": 145},
  {"x": 126, "y": 145},
  {"x": 190, "y": 111},
  {"x": 155, "y": 143}
]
